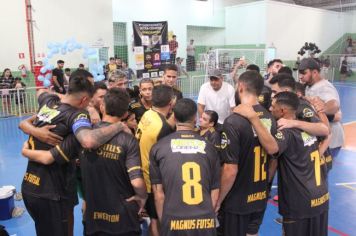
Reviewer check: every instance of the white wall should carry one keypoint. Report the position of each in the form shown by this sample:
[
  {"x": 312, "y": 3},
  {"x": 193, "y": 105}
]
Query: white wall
[
  {"x": 246, "y": 23},
  {"x": 86, "y": 21},
  {"x": 206, "y": 35},
  {"x": 179, "y": 14},
  {"x": 14, "y": 35},
  {"x": 56, "y": 21},
  {"x": 290, "y": 26}
]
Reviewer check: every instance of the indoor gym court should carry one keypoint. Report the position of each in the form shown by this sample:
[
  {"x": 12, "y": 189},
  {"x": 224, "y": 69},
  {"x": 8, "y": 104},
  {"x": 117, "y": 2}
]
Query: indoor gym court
[{"x": 342, "y": 177}]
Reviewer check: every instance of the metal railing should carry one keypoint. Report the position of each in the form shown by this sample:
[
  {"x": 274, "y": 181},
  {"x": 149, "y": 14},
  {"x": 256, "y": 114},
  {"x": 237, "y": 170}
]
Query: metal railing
[{"x": 18, "y": 102}]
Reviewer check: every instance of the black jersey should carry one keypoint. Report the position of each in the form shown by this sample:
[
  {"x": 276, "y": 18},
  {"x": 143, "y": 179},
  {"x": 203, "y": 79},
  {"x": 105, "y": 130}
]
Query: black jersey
[
  {"x": 107, "y": 173},
  {"x": 188, "y": 168},
  {"x": 240, "y": 146},
  {"x": 265, "y": 97},
  {"x": 305, "y": 112},
  {"x": 48, "y": 181},
  {"x": 213, "y": 136},
  {"x": 138, "y": 108},
  {"x": 302, "y": 184},
  {"x": 177, "y": 93}
]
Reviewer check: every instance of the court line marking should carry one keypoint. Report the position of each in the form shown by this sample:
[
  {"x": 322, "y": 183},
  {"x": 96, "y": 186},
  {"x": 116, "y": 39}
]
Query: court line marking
[
  {"x": 332, "y": 229},
  {"x": 349, "y": 123},
  {"x": 337, "y": 231},
  {"x": 346, "y": 183},
  {"x": 348, "y": 186}
]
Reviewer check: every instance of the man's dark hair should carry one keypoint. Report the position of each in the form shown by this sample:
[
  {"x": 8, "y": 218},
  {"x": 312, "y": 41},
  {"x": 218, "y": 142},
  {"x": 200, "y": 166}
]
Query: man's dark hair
[
  {"x": 162, "y": 95},
  {"x": 133, "y": 92},
  {"x": 81, "y": 65},
  {"x": 288, "y": 99},
  {"x": 99, "y": 85},
  {"x": 81, "y": 73},
  {"x": 253, "y": 81},
  {"x": 253, "y": 67},
  {"x": 170, "y": 67},
  {"x": 273, "y": 61},
  {"x": 146, "y": 80},
  {"x": 60, "y": 61},
  {"x": 185, "y": 110},
  {"x": 214, "y": 117},
  {"x": 286, "y": 70},
  {"x": 67, "y": 70},
  {"x": 112, "y": 58},
  {"x": 116, "y": 102},
  {"x": 79, "y": 83},
  {"x": 299, "y": 87},
  {"x": 284, "y": 81}
]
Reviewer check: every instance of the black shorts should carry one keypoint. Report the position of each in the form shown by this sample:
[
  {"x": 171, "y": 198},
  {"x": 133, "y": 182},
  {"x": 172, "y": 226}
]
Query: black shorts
[
  {"x": 106, "y": 234},
  {"x": 150, "y": 207},
  {"x": 50, "y": 217},
  {"x": 315, "y": 226},
  {"x": 240, "y": 225}
]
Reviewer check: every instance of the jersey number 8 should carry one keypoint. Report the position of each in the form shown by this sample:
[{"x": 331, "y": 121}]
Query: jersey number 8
[{"x": 192, "y": 190}]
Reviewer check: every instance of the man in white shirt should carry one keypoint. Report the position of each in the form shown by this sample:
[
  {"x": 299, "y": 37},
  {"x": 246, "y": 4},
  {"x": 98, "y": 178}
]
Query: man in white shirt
[
  {"x": 216, "y": 95},
  {"x": 309, "y": 73}
]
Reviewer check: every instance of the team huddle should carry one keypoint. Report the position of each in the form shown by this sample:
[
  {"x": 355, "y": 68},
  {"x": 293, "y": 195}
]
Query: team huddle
[{"x": 211, "y": 179}]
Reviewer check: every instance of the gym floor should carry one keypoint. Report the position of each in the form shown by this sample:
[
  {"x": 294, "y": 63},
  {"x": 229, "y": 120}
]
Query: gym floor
[{"x": 342, "y": 178}]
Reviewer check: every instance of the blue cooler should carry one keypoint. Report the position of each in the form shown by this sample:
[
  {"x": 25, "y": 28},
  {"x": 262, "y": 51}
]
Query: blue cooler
[{"x": 6, "y": 202}]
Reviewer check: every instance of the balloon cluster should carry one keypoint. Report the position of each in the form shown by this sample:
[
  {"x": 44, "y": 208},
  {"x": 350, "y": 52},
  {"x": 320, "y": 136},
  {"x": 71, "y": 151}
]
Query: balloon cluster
[
  {"x": 97, "y": 70},
  {"x": 311, "y": 47},
  {"x": 64, "y": 48}
]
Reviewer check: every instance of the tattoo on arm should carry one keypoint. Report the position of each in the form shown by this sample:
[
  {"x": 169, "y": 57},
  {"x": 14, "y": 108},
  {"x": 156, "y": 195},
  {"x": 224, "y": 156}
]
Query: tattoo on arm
[{"x": 96, "y": 137}]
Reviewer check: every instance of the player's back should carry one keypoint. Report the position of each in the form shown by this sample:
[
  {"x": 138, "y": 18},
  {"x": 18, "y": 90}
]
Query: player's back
[
  {"x": 240, "y": 145},
  {"x": 189, "y": 168},
  {"x": 302, "y": 190},
  {"x": 106, "y": 177},
  {"x": 152, "y": 127}
]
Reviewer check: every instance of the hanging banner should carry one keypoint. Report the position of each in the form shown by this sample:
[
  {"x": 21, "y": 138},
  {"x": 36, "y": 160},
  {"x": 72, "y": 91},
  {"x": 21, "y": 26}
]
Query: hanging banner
[{"x": 151, "y": 50}]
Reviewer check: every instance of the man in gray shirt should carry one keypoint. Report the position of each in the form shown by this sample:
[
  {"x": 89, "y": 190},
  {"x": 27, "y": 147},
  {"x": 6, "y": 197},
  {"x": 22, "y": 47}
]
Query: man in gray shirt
[{"x": 309, "y": 73}]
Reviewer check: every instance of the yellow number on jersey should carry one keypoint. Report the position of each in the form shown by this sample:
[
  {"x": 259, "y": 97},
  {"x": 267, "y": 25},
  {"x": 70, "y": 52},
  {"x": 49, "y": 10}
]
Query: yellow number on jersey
[
  {"x": 260, "y": 172},
  {"x": 31, "y": 142},
  {"x": 314, "y": 156},
  {"x": 192, "y": 190}
]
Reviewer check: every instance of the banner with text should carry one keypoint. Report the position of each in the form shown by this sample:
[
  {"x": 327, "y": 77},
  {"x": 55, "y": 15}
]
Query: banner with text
[{"x": 151, "y": 50}]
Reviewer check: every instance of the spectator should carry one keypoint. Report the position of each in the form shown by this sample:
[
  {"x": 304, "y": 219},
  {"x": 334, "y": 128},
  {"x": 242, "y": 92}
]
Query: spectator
[
  {"x": 130, "y": 74},
  {"x": 58, "y": 78},
  {"x": 181, "y": 70},
  {"x": 66, "y": 76},
  {"x": 216, "y": 95},
  {"x": 20, "y": 97},
  {"x": 173, "y": 46},
  {"x": 6, "y": 83},
  {"x": 191, "y": 56},
  {"x": 349, "y": 45},
  {"x": 81, "y": 67},
  {"x": 111, "y": 67},
  {"x": 118, "y": 62},
  {"x": 343, "y": 69}
]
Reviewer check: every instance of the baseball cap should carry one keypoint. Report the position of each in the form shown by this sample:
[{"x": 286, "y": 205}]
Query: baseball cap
[
  {"x": 215, "y": 73},
  {"x": 308, "y": 63}
]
